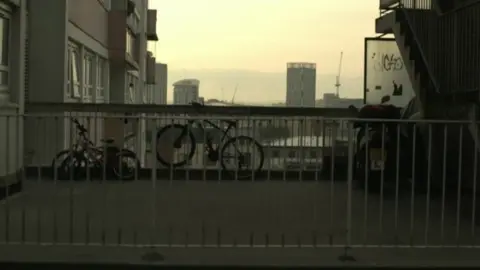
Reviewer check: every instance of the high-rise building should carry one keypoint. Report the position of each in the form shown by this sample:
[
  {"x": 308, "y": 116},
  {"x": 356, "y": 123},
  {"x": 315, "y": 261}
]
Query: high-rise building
[
  {"x": 301, "y": 84},
  {"x": 185, "y": 91},
  {"x": 161, "y": 86}
]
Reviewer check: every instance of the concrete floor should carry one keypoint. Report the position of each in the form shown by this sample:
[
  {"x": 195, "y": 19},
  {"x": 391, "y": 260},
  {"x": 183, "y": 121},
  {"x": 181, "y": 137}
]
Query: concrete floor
[{"x": 228, "y": 214}]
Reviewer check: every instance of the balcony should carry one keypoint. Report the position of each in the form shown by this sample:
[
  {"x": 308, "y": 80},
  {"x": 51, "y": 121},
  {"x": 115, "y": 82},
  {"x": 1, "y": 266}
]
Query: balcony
[
  {"x": 152, "y": 25},
  {"x": 306, "y": 195}
]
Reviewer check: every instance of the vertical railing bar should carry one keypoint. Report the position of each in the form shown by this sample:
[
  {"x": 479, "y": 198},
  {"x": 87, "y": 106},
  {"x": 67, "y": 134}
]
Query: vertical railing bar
[
  {"x": 397, "y": 181},
  {"x": 382, "y": 181},
  {"x": 414, "y": 172},
  {"x": 444, "y": 182},
  {"x": 153, "y": 238},
  {"x": 366, "y": 186},
  {"x": 429, "y": 175},
  {"x": 459, "y": 187},
  {"x": 474, "y": 189},
  {"x": 349, "y": 186},
  {"x": 331, "y": 147},
  {"x": 7, "y": 186},
  {"x": 71, "y": 194}
]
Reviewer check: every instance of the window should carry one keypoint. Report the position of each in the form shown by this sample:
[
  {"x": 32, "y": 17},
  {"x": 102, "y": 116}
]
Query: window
[
  {"x": 88, "y": 75},
  {"x": 73, "y": 81},
  {"x": 313, "y": 154},
  {"x": 147, "y": 94},
  {"x": 291, "y": 154},
  {"x": 4, "y": 51},
  {"x": 130, "y": 43},
  {"x": 132, "y": 84},
  {"x": 134, "y": 22},
  {"x": 102, "y": 77},
  {"x": 275, "y": 153}
]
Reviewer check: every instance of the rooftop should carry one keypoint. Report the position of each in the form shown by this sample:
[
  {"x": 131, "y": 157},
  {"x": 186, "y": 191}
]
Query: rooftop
[{"x": 183, "y": 82}]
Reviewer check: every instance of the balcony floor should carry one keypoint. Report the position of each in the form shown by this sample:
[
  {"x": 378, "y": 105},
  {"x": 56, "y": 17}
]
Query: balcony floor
[{"x": 226, "y": 214}]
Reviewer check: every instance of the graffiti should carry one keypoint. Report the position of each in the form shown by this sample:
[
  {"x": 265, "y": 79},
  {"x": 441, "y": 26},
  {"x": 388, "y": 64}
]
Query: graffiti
[
  {"x": 390, "y": 62},
  {"x": 387, "y": 62},
  {"x": 397, "y": 89}
]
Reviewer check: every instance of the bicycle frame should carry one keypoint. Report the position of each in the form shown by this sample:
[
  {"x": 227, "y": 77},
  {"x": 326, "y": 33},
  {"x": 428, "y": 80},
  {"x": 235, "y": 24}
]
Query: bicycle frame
[
  {"x": 200, "y": 123},
  {"x": 86, "y": 147}
]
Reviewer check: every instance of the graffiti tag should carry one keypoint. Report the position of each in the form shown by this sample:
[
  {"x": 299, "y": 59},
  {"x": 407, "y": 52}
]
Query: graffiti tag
[{"x": 387, "y": 62}]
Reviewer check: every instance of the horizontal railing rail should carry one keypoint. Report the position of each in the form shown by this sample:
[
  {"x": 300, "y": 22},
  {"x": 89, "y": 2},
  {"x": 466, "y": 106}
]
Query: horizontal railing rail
[
  {"x": 48, "y": 107},
  {"x": 410, "y": 4}
]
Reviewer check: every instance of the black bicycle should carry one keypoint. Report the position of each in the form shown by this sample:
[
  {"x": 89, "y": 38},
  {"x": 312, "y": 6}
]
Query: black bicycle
[
  {"x": 183, "y": 135},
  {"x": 85, "y": 156}
]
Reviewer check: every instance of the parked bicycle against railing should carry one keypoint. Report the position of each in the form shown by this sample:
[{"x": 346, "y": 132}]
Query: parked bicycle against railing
[
  {"x": 182, "y": 135},
  {"x": 84, "y": 155}
]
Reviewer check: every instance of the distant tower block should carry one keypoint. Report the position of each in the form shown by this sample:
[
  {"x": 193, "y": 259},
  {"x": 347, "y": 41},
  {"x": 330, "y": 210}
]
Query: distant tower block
[{"x": 301, "y": 84}]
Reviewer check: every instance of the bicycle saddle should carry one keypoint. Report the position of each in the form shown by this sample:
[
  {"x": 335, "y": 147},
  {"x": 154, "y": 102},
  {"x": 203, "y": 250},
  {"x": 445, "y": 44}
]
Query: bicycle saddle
[{"x": 107, "y": 141}]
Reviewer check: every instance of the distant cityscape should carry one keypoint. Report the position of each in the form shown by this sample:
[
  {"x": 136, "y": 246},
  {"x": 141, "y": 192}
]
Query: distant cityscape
[{"x": 301, "y": 88}]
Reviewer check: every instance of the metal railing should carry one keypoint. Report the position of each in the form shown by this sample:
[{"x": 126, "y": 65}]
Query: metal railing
[
  {"x": 386, "y": 5},
  {"x": 314, "y": 190}
]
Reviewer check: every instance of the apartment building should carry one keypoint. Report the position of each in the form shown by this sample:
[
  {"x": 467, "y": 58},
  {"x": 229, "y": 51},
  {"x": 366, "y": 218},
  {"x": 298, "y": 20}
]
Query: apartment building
[
  {"x": 87, "y": 51},
  {"x": 185, "y": 91},
  {"x": 301, "y": 84},
  {"x": 161, "y": 87}
]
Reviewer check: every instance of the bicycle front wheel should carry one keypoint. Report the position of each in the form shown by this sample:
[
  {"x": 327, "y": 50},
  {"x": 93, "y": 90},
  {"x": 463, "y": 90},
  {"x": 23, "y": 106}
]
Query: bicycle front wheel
[
  {"x": 167, "y": 139},
  {"x": 242, "y": 157}
]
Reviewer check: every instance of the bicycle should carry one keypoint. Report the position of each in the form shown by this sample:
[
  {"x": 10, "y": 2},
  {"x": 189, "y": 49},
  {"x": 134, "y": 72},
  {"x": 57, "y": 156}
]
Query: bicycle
[
  {"x": 214, "y": 154},
  {"x": 84, "y": 155}
]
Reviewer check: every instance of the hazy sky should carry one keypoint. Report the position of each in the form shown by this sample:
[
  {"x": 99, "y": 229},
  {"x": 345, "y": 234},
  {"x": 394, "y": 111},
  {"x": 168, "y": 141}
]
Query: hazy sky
[{"x": 263, "y": 35}]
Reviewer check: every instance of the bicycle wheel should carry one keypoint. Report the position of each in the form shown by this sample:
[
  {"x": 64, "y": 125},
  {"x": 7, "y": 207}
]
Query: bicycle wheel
[
  {"x": 231, "y": 154},
  {"x": 166, "y": 139},
  {"x": 68, "y": 165},
  {"x": 126, "y": 166}
]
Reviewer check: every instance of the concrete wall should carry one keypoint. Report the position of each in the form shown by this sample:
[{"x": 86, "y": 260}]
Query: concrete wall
[
  {"x": 11, "y": 126},
  {"x": 53, "y": 24}
]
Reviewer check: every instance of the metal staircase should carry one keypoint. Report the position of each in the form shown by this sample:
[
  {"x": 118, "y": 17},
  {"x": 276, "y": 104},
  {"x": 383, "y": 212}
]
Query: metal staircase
[{"x": 421, "y": 75}]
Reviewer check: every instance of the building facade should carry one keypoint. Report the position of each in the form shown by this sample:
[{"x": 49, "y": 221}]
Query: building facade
[
  {"x": 89, "y": 51},
  {"x": 301, "y": 84},
  {"x": 161, "y": 87},
  {"x": 186, "y": 91}
]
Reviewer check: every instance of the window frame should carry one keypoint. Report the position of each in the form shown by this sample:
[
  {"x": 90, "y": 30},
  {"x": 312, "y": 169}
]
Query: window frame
[
  {"x": 5, "y": 68},
  {"x": 130, "y": 93},
  {"x": 89, "y": 74},
  {"x": 102, "y": 77},
  {"x": 130, "y": 42},
  {"x": 74, "y": 77}
]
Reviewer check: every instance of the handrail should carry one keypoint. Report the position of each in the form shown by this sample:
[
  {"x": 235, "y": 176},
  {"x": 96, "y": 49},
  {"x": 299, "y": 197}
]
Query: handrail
[{"x": 422, "y": 54}]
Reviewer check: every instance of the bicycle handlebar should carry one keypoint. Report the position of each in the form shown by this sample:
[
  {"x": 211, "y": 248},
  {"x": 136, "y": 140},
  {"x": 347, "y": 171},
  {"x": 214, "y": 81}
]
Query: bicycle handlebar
[
  {"x": 82, "y": 130},
  {"x": 79, "y": 126}
]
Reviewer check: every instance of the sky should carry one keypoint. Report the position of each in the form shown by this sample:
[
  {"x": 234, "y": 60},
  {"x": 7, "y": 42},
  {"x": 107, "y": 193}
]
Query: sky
[{"x": 263, "y": 35}]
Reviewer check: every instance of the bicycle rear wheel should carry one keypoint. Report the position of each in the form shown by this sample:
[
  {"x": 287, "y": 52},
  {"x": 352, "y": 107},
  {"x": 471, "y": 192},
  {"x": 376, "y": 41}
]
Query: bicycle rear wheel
[
  {"x": 69, "y": 165},
  {"x": 166, "y": 138},
  {"x": 232, "y": 154}
]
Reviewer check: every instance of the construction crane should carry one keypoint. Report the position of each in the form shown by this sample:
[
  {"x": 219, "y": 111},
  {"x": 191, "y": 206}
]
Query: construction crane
[
  {"x": 234, "y": 93},
  {"x": 337, "y": 83}
]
